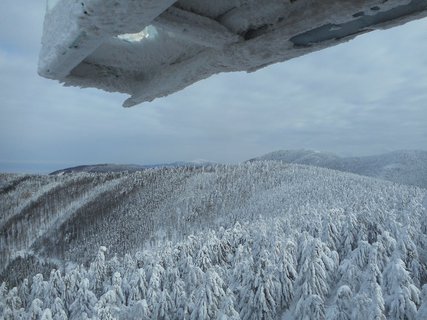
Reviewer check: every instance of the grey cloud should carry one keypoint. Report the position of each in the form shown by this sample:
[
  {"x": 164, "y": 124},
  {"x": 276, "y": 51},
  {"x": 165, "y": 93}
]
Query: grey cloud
[
  {"x": 21, "y": 23},
  {"x": 362, "y": 97}
]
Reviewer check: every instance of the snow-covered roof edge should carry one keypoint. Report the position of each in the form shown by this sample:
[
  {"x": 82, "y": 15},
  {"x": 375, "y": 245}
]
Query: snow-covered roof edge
[{"x": 81, "y": 46}]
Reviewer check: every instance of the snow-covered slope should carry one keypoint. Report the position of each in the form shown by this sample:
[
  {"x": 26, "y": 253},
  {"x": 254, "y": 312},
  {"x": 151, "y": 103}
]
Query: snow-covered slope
[
  {"x": 405, "y": 167},
  {"x": 152, "y": 48},
  {"x": 262, "y": 240}
]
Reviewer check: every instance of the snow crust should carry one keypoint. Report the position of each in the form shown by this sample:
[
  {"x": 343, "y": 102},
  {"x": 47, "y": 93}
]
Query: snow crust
[{"x": 83, "y": 42}]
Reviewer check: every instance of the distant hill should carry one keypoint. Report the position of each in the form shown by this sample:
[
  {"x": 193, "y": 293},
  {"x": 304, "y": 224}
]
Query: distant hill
[
  {"x": 100, "y": 168},
  {"x": 405, "y": 167},
  {"x": 111, "y": 167}
]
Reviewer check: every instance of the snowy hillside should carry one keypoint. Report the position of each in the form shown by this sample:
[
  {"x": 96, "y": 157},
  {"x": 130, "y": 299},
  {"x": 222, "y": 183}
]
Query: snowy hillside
[
  {"x": 405, "y": 167},
  {"x": 262, "y": 240}
]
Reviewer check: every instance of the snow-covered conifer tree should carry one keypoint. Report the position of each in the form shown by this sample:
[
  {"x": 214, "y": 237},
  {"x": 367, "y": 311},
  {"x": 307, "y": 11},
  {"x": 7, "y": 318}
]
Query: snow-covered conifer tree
[
  {"x": 312, "y": 307},
  {"x": 192, "y": 275},
  {"x": 46, "y": 315},
  {"x": 349, "y": 234},
  {"x": 24, "y": 292},
  {"x": 260, "y": 291},
  {"x": 317, "y": 268},
  {"x": 371, "y": 285},
  {"x": 129, "y": 265},
  {"x": 56, "y": 286},
  {"x": 203, "y": 260},
  {"x": 113, "y": 265},
  {"x": 286, "y": 275},
  {"x": 106, "y": 307},
  {"x": 330, "y": 234},
  {"x": 98, "y": 270},
  {"x": 365, "y": 279},
  {"x": 243, "y": 267},
  {"x": 155, "y": 286},
  {"x": 39, "y": 288},
  {"x": 3, "y": 292},
  {"x": 71, "y": 289},
  {"x": 140, "y": 311},
  {"x": 362, "y": 304},
  {"x": 35, "y": 312},
  {"x": 386, "y": 245},
  {"x": 343, "y": 306},
  {"x": 171, "y": 276},
  {"x": 129, "y": 271},
  {"x": 58, "y": 310},
  {"x": 117, "y": 287},
  {"x": 409, "y": 255},
  {"x": 163, "y": 309},
  {"x": 219, "y": 249},
  {"x": 360, "y": 256},
  {"x": 208, "y": 296},
  {"x": 84, "y": 303},
  {"x": 227, "y": 310},
  {"x": 422, "y": 311},
  {"x": 402, "y": 296},
  {"x": 138, "y": 287},
  {"x": 13, "y": 305},
  {"x": 179, "y": 299}
]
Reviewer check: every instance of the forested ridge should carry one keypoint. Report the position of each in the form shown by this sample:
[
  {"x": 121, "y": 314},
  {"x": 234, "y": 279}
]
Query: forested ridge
[
  {"x": 403, "y": 166},
  {"x": 255, "y": 241}
]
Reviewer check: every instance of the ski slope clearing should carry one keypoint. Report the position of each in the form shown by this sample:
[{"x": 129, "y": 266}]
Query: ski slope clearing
[
  {"x": 404, "y": 167},
  {"x": 152, "y": 48},
  {"x": 261, "y": 240}
]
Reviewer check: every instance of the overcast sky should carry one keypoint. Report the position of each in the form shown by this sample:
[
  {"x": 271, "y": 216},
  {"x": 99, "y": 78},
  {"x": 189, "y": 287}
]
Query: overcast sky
[{"x": 364, "y": 97}]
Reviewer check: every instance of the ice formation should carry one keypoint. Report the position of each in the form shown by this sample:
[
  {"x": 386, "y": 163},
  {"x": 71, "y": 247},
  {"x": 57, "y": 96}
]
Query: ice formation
[{"x": 152, "y": 48}]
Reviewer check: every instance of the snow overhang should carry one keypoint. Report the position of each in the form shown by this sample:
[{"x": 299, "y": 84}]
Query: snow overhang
[{"x": 152, "y": 48}]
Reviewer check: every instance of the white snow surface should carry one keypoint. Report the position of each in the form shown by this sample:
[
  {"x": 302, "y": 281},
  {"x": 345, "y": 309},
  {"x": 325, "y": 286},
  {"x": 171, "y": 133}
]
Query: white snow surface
[{"x": 84, "y": 44}]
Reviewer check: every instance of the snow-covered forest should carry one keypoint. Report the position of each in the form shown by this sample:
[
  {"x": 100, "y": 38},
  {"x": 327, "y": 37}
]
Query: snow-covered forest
[{"x": 261, "y": 240}]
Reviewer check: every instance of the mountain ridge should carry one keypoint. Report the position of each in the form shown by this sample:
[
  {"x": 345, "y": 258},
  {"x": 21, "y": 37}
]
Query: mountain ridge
[
  {"x": 403, "y": 166},
  {"x": 113, "y": 167}
]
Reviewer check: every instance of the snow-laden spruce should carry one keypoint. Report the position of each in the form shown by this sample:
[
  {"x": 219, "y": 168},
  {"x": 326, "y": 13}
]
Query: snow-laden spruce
[
  {"x": 257, "y": 241},
  {"x": 264, "y": 269}
]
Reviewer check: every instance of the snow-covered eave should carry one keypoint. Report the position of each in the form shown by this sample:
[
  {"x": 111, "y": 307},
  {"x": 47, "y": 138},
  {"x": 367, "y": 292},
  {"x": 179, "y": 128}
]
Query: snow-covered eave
[
  {"x": 75, "y": 29},
  {"x": 81, "y": 45}
]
